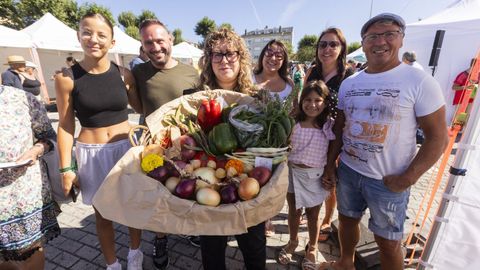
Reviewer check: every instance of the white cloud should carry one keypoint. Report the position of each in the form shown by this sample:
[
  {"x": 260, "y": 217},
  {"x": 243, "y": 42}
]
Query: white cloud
[{"x": 290, "y": 10}]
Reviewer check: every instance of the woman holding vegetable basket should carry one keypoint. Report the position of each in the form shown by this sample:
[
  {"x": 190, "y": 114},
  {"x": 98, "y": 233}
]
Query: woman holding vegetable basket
[{"x": 227, "y": 66}]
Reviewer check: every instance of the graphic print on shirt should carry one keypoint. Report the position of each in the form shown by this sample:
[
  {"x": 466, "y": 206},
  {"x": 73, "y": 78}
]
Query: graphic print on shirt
[{"x": 372, "y": 113}]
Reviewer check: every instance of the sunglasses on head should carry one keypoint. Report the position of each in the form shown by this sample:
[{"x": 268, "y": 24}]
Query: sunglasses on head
[{"x": 332, "y": 44}]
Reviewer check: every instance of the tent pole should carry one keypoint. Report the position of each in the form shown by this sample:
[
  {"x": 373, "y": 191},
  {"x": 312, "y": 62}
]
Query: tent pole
[{"x": 43, "y": 86}]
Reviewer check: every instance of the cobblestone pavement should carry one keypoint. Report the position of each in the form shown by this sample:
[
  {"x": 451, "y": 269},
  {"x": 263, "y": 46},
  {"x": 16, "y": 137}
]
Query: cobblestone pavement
[{"x": 78, "y": 248}]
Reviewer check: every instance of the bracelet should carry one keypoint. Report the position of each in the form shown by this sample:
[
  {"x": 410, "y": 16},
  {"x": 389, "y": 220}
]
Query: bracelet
[{"x": 67, "y": 169}]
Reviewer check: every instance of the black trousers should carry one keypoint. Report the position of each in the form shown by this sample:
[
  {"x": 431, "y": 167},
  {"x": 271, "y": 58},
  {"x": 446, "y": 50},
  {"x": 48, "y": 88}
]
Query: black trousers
[{"x": 253, "y": 245}]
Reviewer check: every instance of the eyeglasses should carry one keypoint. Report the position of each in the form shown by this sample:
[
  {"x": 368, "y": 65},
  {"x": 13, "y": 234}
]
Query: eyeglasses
[
  {"x": 231, "y": 57},
  {"x": 270, "y": 53},
  {"x": 332, "y": 44},
  {"x": 389, "y": 36}
]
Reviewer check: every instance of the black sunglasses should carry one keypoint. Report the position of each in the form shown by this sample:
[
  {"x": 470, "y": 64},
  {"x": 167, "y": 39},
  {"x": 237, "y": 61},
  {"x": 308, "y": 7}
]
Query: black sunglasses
[{"x": 332, "y": 44}]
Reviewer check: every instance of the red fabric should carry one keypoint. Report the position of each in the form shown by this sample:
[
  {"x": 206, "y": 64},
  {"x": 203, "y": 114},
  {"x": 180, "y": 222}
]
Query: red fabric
[{"x": 460, "y": 80}]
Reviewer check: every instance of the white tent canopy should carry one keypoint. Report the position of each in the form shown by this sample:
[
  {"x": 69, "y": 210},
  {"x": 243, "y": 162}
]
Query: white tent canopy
[
  {"x": 52, "y": 34},
  {"x": 357, "y": 55},
  {"x": 124, "y": 44},
  {"x": 461, "y": 22},
  {"x": 185, "y": 50},
  {"x": 13, "y": 38}
]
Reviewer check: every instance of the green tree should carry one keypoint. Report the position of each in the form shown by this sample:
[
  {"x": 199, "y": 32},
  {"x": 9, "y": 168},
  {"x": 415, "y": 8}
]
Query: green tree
[
  {"x": 7, "y": 14},
  {"x": 177, "y": 34},
  {"x": 306, "y": 48},
  {"x": 132, "y": 31},
  {"x": 204, "y": 27},
  {"x": 146, "y": 14},
  {"x": 227, "y": 26},
  {"x": 353, "y": 47},
  {"x": 289, "y": 48},
  {"x": 92, "y": 7},
  {"x": 26, "y": 12},
  {"x": 127, "y": 18}
]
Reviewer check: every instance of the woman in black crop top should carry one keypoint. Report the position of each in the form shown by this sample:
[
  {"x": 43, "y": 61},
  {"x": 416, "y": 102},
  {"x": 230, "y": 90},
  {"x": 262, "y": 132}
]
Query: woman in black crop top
[
  {"x": 96, "y": 93},
  {"x": 330, "y": 66}
]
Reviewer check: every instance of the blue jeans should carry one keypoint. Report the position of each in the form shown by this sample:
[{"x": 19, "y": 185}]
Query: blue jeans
[{"x": 356, "y": 192}]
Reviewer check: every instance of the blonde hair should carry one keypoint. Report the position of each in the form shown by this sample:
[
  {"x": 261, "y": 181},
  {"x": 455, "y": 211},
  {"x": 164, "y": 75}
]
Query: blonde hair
[{"x": 244, "y": 78}]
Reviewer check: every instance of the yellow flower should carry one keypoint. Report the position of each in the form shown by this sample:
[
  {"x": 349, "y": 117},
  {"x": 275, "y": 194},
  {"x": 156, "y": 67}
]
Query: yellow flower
[{"x": 150, "y": 162}]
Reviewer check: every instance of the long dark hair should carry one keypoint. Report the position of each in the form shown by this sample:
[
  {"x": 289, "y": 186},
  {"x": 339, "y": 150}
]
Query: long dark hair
[
  {"x": 342, "y": 57},
  {"x": 319, "y": 87},
  {"x": 283, "y": 71}
]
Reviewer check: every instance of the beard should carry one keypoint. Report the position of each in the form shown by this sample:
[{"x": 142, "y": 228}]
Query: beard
[{"x": 159, "y": 61}]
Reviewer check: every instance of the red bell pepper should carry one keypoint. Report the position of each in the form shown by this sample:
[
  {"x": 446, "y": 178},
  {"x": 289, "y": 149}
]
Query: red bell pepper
[{"x": 209, "y": 114}]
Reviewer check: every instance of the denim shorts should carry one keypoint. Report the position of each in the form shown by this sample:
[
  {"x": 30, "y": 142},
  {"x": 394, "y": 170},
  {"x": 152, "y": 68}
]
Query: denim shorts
[{"x": 356, "y": 192}]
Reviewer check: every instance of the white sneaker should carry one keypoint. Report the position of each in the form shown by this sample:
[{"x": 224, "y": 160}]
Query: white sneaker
[
  {"x": 136, "y": 261},
  {"x": 115, "y": 266}
]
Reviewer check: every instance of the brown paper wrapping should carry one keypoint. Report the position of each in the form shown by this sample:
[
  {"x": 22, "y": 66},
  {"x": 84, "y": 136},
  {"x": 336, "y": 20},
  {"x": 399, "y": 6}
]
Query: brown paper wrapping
[{"x": 130, "y": 197}]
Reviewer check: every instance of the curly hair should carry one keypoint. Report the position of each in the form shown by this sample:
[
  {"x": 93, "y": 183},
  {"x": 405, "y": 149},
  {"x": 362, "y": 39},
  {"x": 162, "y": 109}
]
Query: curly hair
[
  {"x": 244, "y": 79},
  {"x": 342, "y": 57},
  {"x": 319, "y": 87},
  {"x": 283, "y": 71}
]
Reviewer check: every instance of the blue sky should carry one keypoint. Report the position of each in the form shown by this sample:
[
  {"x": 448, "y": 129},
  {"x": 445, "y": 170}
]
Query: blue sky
[{"x": 306, "y": 16}]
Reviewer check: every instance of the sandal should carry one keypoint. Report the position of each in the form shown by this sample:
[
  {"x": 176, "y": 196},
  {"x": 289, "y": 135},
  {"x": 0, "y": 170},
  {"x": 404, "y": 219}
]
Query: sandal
[
  {"x": 285, "y": 257},
  {"x": 325, "y": 234},
  {"x": 308, "y": 264}
]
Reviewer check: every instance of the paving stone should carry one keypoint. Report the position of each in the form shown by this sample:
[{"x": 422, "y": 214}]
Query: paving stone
[
  {"x": 185, "y": 262},
  {"x": 66, "y": 259},
  {"x": 49, "y": 265},
  {"x": 84, "y": 265},
  {"x": 51, "y": 252},
  {"x": 70, "y": 246},
  {"x": 88, "y": 253},
  {"x": 75, "y": 234},
  {"x": 90, "y": 240}
]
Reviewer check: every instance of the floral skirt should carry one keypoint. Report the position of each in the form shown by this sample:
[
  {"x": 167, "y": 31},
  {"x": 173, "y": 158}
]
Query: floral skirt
[{"x": 28, "y": 215}]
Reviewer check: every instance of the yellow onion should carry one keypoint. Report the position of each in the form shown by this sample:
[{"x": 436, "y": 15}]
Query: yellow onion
[
  {"x": 206, "y": 173},
  {"x": 208, "y": 196},
  {"x": 248, "y": 188},
  {"x": 172, "y": 183}
]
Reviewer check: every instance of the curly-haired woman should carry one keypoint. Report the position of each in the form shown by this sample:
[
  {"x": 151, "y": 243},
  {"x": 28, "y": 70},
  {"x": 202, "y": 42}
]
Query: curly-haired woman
[{"x": 227, "y": 66}]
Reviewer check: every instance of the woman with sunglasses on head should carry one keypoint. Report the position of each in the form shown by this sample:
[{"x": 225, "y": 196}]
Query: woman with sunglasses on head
[
  {"x": 227, "y": 66},
  {"x": 330, "y": 66},
  {"x": 271, "y": 74},
  {"x": 97, "y": 91}
]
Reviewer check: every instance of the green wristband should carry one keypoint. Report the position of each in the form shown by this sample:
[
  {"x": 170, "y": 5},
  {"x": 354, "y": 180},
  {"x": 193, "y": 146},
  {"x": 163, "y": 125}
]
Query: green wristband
[{"x": 67, "y": 169}]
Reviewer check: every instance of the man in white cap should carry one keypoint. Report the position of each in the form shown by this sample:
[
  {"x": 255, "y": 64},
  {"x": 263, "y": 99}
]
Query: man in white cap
[
  {"x": 11, "y": 76},
  {"x": 379, "y": 111}
]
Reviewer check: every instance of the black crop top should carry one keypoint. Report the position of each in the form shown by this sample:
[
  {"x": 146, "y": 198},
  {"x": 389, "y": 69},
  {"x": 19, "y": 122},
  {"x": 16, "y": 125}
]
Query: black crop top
[
  {"x": 99, "y": 100},
  {"x": 31, "y": 86}
]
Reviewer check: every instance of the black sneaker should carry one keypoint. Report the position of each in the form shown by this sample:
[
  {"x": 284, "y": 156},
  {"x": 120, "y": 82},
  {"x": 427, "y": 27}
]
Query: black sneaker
[
  {"x": 194, "y": 240},
  {"x": 160, "y": 254}
]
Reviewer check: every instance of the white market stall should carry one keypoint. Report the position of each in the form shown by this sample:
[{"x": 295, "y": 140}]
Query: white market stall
[
  {"x": 461, "y": 22},
  {"x": 187, "y": 53}
]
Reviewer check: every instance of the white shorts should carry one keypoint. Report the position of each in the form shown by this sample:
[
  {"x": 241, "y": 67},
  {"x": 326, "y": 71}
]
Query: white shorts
[
  {"x": 94, "y": 162},
  {"x": 306, "y": 184}
]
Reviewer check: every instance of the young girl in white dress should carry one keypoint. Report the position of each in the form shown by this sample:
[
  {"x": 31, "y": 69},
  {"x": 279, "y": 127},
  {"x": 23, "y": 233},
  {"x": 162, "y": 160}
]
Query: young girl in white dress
[{"x": 310, "y": 138}]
